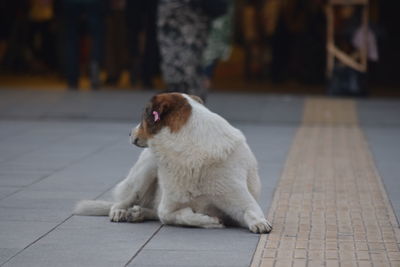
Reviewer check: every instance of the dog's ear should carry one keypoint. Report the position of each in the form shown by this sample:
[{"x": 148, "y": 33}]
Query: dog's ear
[
  {"x": 159, "y": 108},
  {"x": 167, "y": 109},
  {"x": 163, "y": 107},
  {"x": 197, "y": 99}
]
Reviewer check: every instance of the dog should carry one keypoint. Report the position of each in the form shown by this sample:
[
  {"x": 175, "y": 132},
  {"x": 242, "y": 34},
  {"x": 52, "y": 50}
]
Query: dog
[{"x": 196, "y": 170}]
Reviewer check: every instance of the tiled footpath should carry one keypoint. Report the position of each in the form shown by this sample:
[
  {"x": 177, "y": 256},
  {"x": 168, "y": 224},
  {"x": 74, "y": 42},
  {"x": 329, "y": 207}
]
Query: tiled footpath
[
  {"x": 59, "y": 147},
  {"x": 330, "y": 207}
]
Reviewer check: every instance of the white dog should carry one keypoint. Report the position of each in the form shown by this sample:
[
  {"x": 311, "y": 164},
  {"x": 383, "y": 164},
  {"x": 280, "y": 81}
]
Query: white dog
[{"x": 197, "y": 170}]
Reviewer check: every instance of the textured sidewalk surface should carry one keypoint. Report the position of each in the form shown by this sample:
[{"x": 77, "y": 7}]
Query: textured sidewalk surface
[
  {"x": 330, "y": 207},
  {"x": 329, "y": 169}
]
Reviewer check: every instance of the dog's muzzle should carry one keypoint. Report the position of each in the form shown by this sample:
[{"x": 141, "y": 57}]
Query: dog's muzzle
[{"x": 135, "y": 140}]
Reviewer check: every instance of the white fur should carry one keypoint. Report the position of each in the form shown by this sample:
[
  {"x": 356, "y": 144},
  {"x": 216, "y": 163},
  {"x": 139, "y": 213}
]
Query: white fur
[{"x": 203, "y": 175}]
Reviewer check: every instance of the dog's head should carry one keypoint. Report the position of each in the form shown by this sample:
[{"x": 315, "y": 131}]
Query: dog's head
[{"x": 170, "y": 110}]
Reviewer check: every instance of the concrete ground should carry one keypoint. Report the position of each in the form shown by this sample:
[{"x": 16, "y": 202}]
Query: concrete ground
[{"x": 59, "y": 147}]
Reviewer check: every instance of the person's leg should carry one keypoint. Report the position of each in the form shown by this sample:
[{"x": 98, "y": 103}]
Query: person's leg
[
  {"x": 95, "y": 18},
  {"x": 72, "y": 16},
  {"x": 121, "y": 53},
  {"x": 116, "y": 50},
  {"x": 134, "y": 22},
  {"x": 151, "y": 57},
  {"x": 48, "y": 49},
  {"x": 182, "y": 34},
  {"x": 110, "y": 62}
]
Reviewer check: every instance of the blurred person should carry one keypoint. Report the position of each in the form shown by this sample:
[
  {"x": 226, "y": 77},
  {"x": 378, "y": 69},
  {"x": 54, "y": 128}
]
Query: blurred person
[
  {"x": 219, "y": 43},
  {"x": 277, "y": 14},
  {"x": 183, "y": 28},
  {"x": 92, "y": 11},
  {"x": 309, "y": 52},
  {"x": 41, "y": 38},
  {"x": 14, "y": 18},
  {"x": 296, "y": 31},
  {"x": 254, "y": 45},
  {"x": 141, "y": 18},
  {"x": 7, "y": 8},
  {"x": 116, "y": 59},
  {"x": 351, "y": 39}
]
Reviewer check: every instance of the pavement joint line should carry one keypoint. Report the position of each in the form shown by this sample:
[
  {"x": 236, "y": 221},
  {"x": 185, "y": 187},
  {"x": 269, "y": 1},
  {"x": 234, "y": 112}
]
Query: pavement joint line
[
  {"x": 29, "y": 151},
  {"x": 330, "y": 206},
  {"x": 36, "y": 240},
  {"x": 21, "y": 188},
  {"x": 110, "y": 143},
  {"x": 145, "y": 244},
  {"x": 147, "y": 241},
  {"x": 65, "y": 220},
  {"x": 71, "y": 215}
]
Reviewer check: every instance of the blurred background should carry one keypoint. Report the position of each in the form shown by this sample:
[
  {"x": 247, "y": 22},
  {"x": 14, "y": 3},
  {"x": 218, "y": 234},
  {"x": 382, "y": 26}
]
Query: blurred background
[{"x": 271, "y": 46}]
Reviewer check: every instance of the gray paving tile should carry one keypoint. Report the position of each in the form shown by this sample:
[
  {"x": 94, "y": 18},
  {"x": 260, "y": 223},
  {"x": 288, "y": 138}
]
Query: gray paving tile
[
  {"x": 379, "y": 112},
  {"x": 257, "y": 108},
  {"x": 14, "y": 167},
  {"x": 57, "y": 157},
  {"x": 12, "y": 128},
  {"x": 25, "y": 103},
  {"x": 181, "y": 238},
  {"x": 270, "y": 144},
  {"x": 128, "y": 106},
  {"x": 50, "y": 200},
  {"x": 74, "y": 105},
  {"x": 40, "y": 136},
  {"x": 21, "y": 177},
  {"x": 192, "y": 258},
  {"x": 10, "y": 99},
  {"x": 93, "y": 174},
  {"x": 27, "y": 214},
  {"x": 381, "y": 123},
  {"x": 7, "y": 253},
  {"x": 19, "y": 234},
  {"x": 87, "y": 241},
  {"x": 7, "y": 191},
  {"x": 385, "y": 146}
]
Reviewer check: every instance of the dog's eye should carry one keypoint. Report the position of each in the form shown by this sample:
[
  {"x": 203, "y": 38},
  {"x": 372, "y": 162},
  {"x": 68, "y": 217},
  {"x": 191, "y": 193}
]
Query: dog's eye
[{"x": 148, "y": 109}]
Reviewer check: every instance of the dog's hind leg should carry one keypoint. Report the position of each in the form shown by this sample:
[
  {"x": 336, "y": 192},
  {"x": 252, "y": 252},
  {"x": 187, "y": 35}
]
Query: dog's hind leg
[
  {"x": 242, "y": 207},
  {"x": 136, "y": 187},
  {"x": 170, "y": 213},
  {"x": 186, "y": 217}
]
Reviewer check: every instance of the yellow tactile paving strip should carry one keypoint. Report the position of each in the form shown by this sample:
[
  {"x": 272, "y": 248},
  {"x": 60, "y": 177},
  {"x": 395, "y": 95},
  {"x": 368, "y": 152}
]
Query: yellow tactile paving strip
[
  {"x": 329, "y": 111},
  {"x": 330, "y": 208}
]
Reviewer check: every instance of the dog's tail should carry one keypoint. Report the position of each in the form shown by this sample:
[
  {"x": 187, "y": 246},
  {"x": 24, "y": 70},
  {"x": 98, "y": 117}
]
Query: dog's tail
[{"x": 93, "y": 207}]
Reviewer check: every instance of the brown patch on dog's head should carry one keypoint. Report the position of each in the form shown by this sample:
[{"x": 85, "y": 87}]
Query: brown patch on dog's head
[{"x": 170, "y": 110}]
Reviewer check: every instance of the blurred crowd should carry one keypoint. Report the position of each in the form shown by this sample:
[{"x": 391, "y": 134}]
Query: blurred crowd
[{"x": 180, "y": 40}]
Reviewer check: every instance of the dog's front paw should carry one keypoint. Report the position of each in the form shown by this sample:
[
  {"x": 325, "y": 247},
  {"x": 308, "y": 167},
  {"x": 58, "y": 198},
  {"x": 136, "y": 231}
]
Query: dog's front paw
[
  {"x": 261, "y": 227},
  {"x": 118, "y": 215},
  {"x": 135, "y": 214}
]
